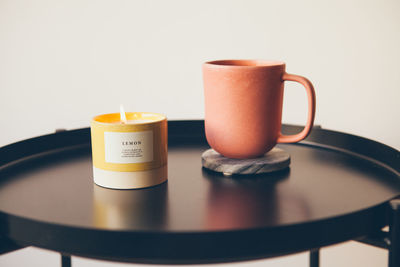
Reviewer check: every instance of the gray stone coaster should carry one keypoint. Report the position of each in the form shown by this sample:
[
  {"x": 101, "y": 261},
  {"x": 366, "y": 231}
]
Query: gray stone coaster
[{"x": 275, "y": 160}]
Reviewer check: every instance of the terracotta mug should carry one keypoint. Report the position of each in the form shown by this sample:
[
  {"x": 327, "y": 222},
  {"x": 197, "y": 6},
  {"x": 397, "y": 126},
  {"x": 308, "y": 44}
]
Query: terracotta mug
[{"x": 243, "y": 106}]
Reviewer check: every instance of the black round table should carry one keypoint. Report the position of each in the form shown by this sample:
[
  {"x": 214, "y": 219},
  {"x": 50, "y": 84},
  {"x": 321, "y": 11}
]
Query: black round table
[{"x": 337, "y": 188}]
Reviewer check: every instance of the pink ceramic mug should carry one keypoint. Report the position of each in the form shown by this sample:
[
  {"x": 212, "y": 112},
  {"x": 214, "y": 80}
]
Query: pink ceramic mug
[{"x": 243, "y": 106}]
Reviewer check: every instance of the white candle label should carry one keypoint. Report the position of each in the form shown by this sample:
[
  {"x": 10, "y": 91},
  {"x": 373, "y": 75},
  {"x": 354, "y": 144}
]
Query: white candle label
[{"x": 133, "y": 147}]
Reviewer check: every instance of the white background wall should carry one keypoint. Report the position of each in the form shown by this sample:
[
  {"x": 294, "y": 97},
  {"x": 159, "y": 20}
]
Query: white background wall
[{"x": 62, "y": 62}]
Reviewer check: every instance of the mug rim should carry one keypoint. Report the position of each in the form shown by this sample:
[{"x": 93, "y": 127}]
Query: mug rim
[{"x": 244, "y": 63}]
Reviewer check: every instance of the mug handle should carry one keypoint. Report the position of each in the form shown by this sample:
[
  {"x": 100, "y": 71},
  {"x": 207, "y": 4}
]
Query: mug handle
[{"x": 311, "y": 109}]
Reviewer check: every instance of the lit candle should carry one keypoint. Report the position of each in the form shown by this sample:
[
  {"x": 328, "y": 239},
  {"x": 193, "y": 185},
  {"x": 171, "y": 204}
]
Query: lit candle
[{"x": 129, "y": 149}]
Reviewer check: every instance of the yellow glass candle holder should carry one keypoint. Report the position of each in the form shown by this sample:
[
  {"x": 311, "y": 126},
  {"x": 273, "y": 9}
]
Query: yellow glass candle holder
[{"x": 129, "y": 154}]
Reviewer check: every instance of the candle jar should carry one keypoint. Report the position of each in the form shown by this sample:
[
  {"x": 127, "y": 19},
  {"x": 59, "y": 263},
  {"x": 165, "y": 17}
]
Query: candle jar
[{"x": 130, "y": 154}]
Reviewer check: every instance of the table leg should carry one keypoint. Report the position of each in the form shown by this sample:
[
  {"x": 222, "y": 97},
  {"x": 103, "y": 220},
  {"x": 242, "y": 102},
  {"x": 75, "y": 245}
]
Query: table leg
[
  {"x": 314, "y": 257},
  {"x": 65, "y": 260},
  {"x": 394, "y": 233}
]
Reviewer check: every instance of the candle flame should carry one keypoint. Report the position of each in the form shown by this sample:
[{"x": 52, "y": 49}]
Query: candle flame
[{"x": 122, "y": 114}]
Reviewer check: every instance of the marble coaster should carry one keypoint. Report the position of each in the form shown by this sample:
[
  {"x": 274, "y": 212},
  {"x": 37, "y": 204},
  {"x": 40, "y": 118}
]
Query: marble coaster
[{"x": 275, "y": 160}]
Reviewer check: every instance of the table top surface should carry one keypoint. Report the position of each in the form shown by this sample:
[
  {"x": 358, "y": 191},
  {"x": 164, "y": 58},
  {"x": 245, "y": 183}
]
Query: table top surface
[{"x": 328, "y": 195}]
